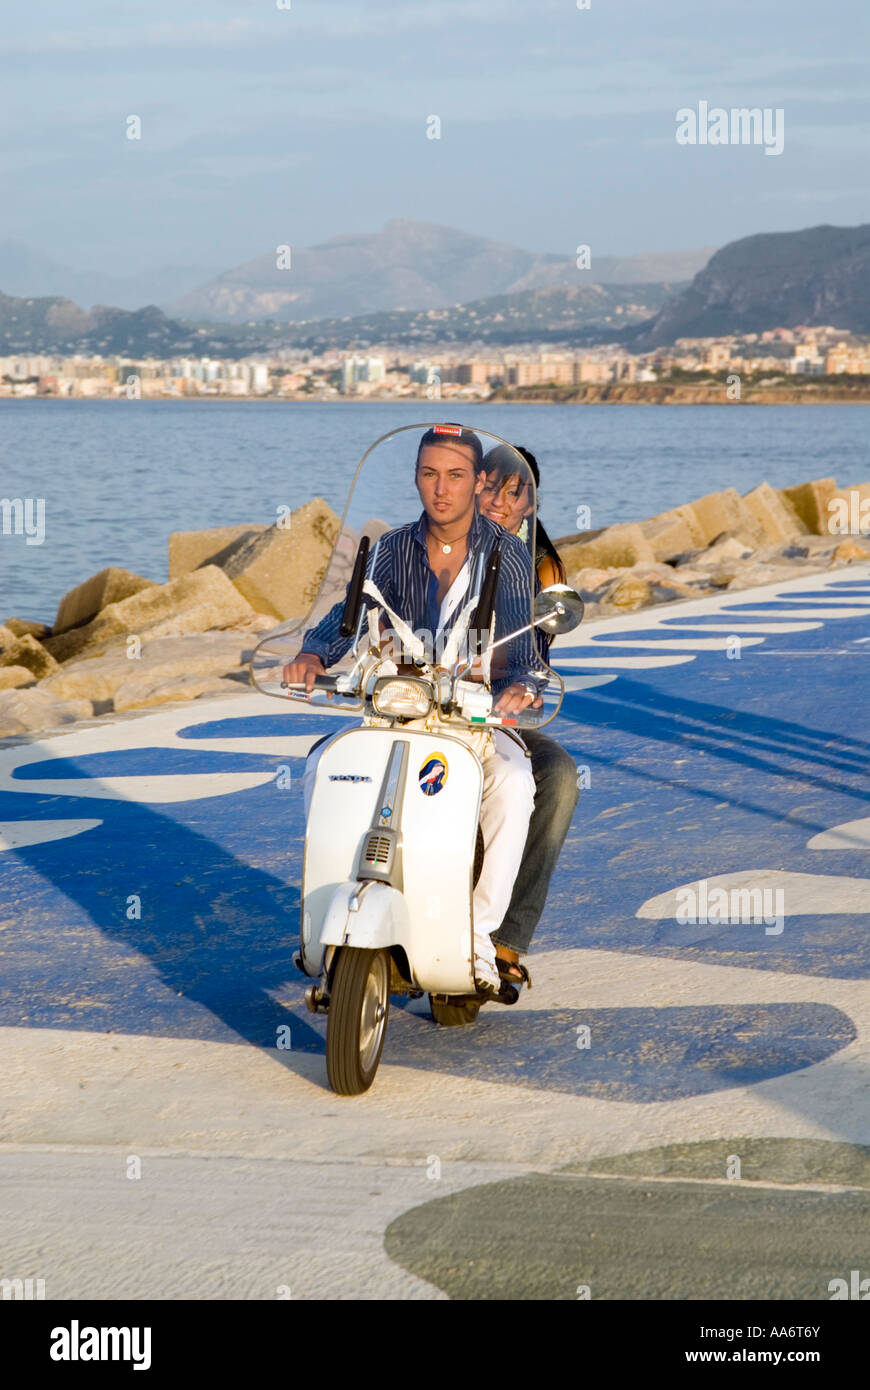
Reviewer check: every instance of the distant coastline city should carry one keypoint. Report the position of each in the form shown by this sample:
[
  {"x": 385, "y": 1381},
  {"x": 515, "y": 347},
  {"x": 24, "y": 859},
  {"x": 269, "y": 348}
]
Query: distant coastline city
[{"x": 790, "y": 357}]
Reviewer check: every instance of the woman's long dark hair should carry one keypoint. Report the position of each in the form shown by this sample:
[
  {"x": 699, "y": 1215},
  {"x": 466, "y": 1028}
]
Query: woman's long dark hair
[{"x": 503, "y": 462}]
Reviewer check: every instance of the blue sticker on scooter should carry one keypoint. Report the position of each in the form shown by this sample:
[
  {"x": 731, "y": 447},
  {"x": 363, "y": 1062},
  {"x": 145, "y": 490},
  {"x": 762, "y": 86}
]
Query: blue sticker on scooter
[{"x": 432, "y": 775}]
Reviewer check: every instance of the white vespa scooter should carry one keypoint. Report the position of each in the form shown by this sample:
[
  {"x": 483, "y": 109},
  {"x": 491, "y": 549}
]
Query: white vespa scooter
[{"x": 393, "y": 848}]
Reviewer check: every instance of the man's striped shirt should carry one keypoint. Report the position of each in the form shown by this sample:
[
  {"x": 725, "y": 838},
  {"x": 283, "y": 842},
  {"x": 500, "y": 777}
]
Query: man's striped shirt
[{"x": 399, "y": 566}]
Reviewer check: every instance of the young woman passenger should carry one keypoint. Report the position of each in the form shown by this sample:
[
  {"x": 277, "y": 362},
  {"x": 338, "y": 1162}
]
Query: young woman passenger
[{"x": 509, "y": 499}]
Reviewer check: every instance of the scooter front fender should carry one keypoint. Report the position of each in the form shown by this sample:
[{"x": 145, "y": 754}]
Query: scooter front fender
[{"x": 368, "y": 916}]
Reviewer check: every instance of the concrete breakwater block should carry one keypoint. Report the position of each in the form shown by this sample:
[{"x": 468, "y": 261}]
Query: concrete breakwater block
[
  {"x": 810, "y": 501},
  {"x": 672, "y": 532},
  {"x": 195, "y": 602},
  {"x": 774, "y": 513},
  {"x": 616, "y": 547},
  {"x": 725, "y": 564},
  {"x": 752, "y": 576},
  {"x": 86, "y": 600},
  {"x": 762, "y": 516},
  {"x": 726, "y": 550},
  {"x": 193, "y": 655},
  {"x": 25, "y": 651},
  {"x": 23, "y": 627},
  {"x": 32, "y": 710},
  {"x": 686, "y": 528},
  {"x": 848, "y": 511},
  {"x": 11, "y": 677},
  {"x": 279, "y": 571},
  {"x": 190, "y": 550},
  {"x": 697, "y": 523},
  {"x": 645, "y": 585},
  {"x": 727, "y": 511}
]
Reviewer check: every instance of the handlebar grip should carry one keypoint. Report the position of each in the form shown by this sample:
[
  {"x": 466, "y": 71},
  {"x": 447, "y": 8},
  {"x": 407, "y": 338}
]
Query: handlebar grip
[{"x": 320, "y": 683}]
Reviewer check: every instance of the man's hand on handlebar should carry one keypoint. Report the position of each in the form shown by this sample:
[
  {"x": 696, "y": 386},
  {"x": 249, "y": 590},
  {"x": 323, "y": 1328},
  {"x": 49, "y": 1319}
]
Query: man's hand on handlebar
[
  {"x": 303, "y": 670},
  {"x": 515, "y": 698}
]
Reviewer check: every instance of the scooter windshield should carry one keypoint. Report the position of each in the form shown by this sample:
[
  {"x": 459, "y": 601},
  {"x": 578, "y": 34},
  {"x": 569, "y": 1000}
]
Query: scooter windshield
[{"x": 433, "y": 568}]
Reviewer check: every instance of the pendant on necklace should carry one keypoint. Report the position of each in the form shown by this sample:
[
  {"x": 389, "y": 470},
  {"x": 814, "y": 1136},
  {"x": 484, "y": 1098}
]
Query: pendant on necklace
[{"x": 446, "y": 549}]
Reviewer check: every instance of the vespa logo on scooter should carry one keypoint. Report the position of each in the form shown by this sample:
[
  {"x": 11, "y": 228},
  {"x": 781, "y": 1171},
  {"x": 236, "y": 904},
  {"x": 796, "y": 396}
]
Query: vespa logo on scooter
[{"x": 433, "y": 774}]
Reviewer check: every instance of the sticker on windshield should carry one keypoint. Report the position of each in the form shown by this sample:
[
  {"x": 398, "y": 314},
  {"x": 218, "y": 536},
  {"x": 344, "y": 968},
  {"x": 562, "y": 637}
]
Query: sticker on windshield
[{"x": 432, "y": 774}]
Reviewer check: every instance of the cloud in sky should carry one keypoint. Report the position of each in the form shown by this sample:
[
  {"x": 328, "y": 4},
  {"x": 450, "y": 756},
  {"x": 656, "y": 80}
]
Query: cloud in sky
[
  {"x": 557, "y": 123},
  {"x": 114, "y": 31}
]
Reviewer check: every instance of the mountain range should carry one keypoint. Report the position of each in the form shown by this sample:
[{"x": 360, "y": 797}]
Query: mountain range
[
  {"x": 455, "y": 288},
  {"x": 820, "y": 275},
  {"x": 406, "y": 265}
]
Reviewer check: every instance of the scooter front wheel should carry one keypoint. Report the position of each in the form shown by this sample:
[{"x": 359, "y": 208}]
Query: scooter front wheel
[{"x": 359, "y": 1005}]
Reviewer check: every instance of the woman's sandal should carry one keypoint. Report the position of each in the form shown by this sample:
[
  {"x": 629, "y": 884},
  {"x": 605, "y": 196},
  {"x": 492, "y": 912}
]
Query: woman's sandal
[
  {"x": 506, "y": 993},
  {"x": 513, "y": 971}
]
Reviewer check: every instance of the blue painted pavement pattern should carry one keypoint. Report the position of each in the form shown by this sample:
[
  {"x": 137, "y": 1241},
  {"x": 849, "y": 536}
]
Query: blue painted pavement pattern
[{"x": 701, "y": 765}]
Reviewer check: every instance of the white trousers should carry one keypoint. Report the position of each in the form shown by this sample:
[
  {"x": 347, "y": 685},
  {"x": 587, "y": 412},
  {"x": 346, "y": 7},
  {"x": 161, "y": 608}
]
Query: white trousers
[{"x": 505, "y": 810}]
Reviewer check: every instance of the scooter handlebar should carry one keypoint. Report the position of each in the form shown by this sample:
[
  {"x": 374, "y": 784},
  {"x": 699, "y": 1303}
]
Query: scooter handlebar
[{"x": 320, "y": 682}]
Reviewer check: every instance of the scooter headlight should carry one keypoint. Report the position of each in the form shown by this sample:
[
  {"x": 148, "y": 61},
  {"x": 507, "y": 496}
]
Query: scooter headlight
[{"x": 402, "y": 697}]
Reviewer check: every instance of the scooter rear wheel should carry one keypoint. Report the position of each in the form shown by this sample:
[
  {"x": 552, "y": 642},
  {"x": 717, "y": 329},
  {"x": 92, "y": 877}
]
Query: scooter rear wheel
[
  {"x": 455, "y": 1013},
  {"x": 357, "y": 1021}
]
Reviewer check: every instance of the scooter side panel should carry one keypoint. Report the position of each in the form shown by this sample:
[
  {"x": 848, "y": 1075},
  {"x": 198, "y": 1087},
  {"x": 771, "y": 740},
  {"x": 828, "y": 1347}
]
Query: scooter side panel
[{"x": 439, "y": 830}]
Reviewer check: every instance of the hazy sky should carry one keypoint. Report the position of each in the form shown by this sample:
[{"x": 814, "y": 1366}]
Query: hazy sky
[{"x": 263, "y": 126}]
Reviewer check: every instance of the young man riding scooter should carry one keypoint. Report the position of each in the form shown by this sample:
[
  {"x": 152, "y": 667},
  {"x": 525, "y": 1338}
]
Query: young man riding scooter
[{"x": 424, "y": 569}]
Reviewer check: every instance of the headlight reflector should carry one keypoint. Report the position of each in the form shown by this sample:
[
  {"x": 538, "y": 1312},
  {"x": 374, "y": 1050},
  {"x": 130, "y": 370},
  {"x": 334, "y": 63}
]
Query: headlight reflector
[{"x": 402, "y": 697}]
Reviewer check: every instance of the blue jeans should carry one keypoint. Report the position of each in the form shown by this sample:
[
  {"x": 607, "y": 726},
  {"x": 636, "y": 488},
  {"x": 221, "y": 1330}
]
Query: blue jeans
[{"x": 556, "y": 793}]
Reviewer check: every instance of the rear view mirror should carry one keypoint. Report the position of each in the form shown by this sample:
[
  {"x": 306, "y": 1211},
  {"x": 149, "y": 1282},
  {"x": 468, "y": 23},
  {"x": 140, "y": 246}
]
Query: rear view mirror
[{"x": 558, "y": 609}]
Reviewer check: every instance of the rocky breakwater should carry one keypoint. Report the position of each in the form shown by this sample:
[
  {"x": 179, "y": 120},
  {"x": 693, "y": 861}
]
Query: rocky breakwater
[
  {"x": 723, "y": 541},
  {"x": 121, "y": 642}
]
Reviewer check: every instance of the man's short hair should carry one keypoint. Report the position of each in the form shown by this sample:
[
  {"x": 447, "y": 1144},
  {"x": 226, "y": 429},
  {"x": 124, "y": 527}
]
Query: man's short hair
[{"x": 441, "y": 435}]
